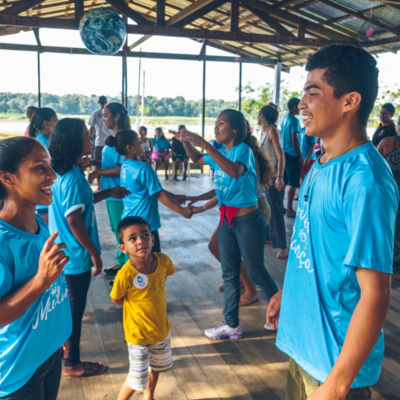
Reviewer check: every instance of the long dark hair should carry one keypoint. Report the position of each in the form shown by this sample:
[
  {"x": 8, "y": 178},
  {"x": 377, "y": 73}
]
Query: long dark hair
[
  {"x": 123, "y": 122},
  {"x": 13, "y": 151},
  {"x": 266, "y": 167},
  {"x": 66, "y": 144},
  {"x": 270, "y": 113},
  {"x": 39, "y": 116},
  {"x": 237, "y": 121},
  {"x": 121, "y": 140}
]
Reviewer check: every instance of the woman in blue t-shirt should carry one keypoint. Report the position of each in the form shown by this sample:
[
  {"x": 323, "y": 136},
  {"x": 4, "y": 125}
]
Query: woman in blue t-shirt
[
  {"x": 115, "y": 117},
  {"x": 72, "y": 214},
  {"x": 41, "y": 126},
  {"x": 161, "y": 151},
  {"x": 242, "y": 230},
  {"x": 142, "y": 182},
  {"x": 35, "y": 316}
]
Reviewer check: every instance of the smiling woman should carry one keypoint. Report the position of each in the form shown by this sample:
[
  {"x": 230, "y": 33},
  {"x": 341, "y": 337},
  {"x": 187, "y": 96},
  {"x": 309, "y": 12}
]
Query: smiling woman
[{"x": 31, "y": 276}]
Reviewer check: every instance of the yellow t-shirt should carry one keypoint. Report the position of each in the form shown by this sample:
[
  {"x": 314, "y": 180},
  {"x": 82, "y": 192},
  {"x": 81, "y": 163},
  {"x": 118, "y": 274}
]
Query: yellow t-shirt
[{"x": 145, "y": 304}]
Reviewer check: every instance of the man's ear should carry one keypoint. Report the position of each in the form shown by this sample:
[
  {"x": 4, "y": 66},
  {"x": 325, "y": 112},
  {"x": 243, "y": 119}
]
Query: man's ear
[
  {"x": 352, "y": 101},
  {"x": 122, "y": 248}
]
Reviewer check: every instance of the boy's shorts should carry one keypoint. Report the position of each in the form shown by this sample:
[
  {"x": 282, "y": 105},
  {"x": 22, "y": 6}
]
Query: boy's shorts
[
  {"x": 291, "y": 175},
  {"x": 142, "y": 358}
]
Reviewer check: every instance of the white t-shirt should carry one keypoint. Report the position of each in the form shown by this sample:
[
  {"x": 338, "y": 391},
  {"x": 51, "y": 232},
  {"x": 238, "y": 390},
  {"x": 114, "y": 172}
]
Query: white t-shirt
[{"x": 96, "y": 120}]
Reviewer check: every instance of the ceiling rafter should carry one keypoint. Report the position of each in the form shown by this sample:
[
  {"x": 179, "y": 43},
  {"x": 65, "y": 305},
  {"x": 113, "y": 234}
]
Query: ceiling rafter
[
  {"x": 21, "y": 6},
  {"x": 126, "y": 10}
]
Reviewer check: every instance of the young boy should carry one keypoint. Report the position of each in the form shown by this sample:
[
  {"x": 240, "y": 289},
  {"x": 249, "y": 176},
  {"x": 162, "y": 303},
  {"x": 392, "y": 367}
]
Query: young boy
[{"x": 140, "y": 288}]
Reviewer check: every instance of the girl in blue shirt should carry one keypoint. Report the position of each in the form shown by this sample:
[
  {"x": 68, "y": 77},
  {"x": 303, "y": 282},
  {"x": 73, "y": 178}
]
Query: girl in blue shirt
[
  {"x": 115, "y": 117},
  {"x": 72, "y": 214},
  {"x": 41, "y": 126},
  {"x": 242, "y": 230},
  {"x": 145, "y": 190},
  {"x": 161, "y": 151},
  {"x": 35, "y": 316}
]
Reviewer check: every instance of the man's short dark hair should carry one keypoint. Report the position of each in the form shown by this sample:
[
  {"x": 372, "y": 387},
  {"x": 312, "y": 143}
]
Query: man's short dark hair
[
  {"x": 389, "y": 107},
  {"x": 102, "y": 100},
  {"x": 293, "y": 102},
  {"x": 129, "y": 221},
  {"x": 349, "y": 69}
]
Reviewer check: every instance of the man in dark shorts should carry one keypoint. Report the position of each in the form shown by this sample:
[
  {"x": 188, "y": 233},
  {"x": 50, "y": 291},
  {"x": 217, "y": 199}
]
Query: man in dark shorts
[{"x": 290, "y": 129}]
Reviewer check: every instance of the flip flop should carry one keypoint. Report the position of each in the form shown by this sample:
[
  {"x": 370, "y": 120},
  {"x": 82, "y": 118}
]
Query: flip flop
[{"x": 89, "y": 369}]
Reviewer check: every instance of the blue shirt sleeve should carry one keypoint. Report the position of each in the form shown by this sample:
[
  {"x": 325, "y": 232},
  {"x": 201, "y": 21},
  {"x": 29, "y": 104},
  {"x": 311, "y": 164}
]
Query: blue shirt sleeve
[
  {"x": 6, "y": 276},
  {"x": 294, "y": 125},
  {"x": 72, "y": 200},
  {"x": 150, "y": 179},
  {"x": 209, "y": 161},
  {"x": 371, "y": 244}
]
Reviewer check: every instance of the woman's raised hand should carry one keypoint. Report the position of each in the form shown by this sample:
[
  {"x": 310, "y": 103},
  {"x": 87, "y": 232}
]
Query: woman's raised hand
[
  {"x": 192, "y": 138},
  {"x": 51, "y": 261}
]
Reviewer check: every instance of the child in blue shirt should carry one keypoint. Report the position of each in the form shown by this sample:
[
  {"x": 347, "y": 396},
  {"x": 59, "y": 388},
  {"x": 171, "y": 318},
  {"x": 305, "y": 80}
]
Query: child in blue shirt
[{"x": 72, "y": 214}]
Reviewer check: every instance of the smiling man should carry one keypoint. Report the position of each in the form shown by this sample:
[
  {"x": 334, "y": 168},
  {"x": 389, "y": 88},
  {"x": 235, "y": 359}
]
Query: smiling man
[
  {"x": 336, "y": 291},
  {"x": 386, "y": 128}
]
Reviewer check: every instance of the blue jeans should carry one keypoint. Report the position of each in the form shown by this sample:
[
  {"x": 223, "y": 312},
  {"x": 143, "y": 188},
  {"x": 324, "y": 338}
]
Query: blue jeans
[{"x": 245, "y": 238}]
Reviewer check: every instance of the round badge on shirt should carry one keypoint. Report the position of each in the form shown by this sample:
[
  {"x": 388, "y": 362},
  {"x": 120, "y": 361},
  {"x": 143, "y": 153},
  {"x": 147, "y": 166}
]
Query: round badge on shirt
[{"x": 140, "y": 281}]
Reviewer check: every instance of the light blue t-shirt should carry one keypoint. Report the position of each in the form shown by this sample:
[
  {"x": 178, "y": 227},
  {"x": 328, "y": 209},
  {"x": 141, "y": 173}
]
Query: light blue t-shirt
[
  {"x": 71, "y": 192},
  {"x": 45, "y": 326},
  {"x": 305, "y": 144},
  {"x": 289, "y": 125},
  {"x": 161, "y": 144},
  {"x": 41, "y": 209},
  {"x": 141, "y": 180},
  {"x": 43, "y": 139},
  {"x": 235, "y": 192},
  {"x": 347, "y": 222},
  {"x": 110, "y": 159}
]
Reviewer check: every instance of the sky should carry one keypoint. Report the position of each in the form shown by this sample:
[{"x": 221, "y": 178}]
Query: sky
[{"x": 83, "y": 74}]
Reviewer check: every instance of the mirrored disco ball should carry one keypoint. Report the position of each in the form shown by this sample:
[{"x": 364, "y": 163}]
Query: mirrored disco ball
[{"x": 102, "y": 31}]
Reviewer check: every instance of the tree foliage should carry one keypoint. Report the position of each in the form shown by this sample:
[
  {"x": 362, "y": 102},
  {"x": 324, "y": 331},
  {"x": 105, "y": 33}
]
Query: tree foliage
[{"x": 78, "y": 104}]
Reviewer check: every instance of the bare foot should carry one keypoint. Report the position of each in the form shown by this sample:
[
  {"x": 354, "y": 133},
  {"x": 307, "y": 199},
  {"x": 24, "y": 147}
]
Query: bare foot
[
  {"x": 248, "y": 298},
  {"x": 282, "y": 254}
]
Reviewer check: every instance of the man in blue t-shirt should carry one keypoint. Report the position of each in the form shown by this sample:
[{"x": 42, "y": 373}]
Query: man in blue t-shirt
[
  {"x": 290, "y": 129},
  {"x": 336, "y": 291}
]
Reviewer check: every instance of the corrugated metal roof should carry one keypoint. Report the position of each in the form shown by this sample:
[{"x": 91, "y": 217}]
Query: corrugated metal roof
[{"x": 278, "y": 30}]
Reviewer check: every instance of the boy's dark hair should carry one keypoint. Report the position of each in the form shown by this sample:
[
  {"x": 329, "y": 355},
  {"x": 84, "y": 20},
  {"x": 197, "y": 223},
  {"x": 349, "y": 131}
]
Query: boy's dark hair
[
  {"x": 66, "y": 144},
  {"x": 39, "y": 116},
  {"x": 349, "y": 69},
  {"x": 389, "y": 107},
  {"x": 102, "y": 100},
  {"x": 294, "y": 101},
  {"x": 129, "y": 221}
]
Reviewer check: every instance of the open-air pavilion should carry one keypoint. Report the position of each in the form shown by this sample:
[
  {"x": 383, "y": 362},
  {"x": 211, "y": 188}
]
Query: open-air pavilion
[{"x": 277, "y": 34}]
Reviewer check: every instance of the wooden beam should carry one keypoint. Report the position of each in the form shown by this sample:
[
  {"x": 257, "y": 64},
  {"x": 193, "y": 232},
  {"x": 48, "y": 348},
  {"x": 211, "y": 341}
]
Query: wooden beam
[
  {"x": 160, "y": 12},
  {"x": 228, "y": 36},
  {"x": 79, "y": 9},
  {"x": 36, "y": 33},
  {"x": 139, "y": 42},
  {"x": 21, "y": 6},
  {"x": 234, "y": 15},
  {"x": 37, "y": 22},
  {"x": 140, "y": 54},
  {"x": 272, "y": 22},
  {"x": 195, "y": 10},
  {"x": 126, "y": 10}
]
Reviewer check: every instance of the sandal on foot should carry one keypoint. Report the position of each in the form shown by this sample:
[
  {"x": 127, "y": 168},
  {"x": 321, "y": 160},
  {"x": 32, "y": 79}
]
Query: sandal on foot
[{"x": 89, "y": 369}]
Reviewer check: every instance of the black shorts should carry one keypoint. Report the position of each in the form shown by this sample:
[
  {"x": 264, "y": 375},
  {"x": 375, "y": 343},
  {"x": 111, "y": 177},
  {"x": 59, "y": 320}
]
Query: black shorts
[
  {"x": 292, "y": 170},
  {"x": 181, "y": 157}
]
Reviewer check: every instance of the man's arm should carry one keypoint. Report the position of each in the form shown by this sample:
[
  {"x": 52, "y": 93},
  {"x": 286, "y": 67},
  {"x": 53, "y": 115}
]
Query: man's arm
[
  {"x": 362, "y": 334},
  {"x": 296, "y": 145}
]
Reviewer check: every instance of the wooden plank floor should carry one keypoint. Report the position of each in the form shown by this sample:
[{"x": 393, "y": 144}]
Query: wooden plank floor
[{"x": 251, "y": 368}]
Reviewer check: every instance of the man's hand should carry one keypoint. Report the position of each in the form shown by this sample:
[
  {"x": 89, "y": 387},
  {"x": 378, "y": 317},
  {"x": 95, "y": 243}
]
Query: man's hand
[
  {"x": 327, "y": 391},
  {"x": 97, "y": 264},
  {"x": 119, "y": 192}
]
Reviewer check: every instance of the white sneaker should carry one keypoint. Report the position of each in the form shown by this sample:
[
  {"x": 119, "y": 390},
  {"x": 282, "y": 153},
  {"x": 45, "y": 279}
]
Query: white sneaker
[
  {"x": 224, "y": 331},
  {"x": 269, "y": 327}
]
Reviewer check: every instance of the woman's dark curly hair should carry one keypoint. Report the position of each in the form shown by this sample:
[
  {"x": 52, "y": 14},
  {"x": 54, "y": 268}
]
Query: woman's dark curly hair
[
  {"x": 265, "y": 165},
  {"x": 121, "y": 140},
  {"x": 13, "y": 151},
  {"x": 66, "y": 144},
  {"x": 349, "y": 69}
]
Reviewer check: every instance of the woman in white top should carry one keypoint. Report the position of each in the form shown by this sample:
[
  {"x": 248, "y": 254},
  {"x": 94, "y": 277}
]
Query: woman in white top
[{"x": 270, "y": 142}]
